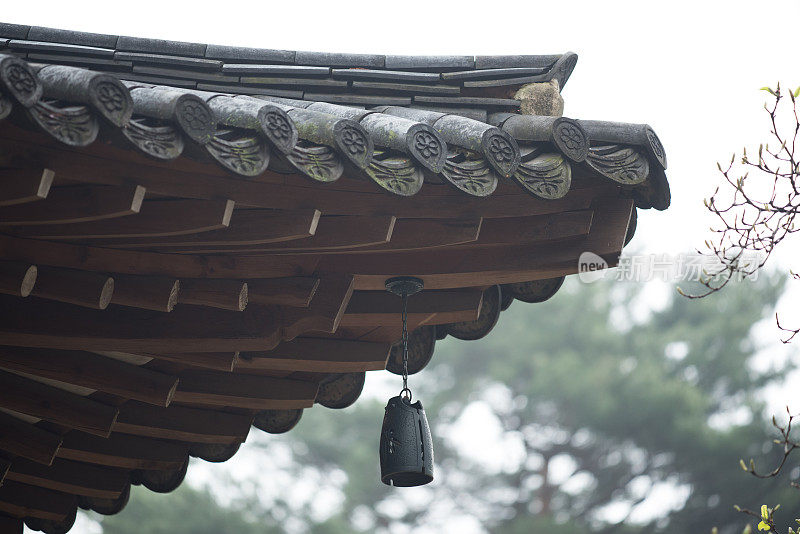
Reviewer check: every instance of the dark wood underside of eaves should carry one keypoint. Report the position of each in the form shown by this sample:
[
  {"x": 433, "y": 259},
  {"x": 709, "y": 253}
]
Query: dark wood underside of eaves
[
  {"x": 259, "y": 331},
  {"x": 151, "y": 311}
]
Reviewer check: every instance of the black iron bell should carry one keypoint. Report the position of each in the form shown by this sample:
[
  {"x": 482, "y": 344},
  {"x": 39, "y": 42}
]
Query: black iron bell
[{"x": 406, "y": 449}]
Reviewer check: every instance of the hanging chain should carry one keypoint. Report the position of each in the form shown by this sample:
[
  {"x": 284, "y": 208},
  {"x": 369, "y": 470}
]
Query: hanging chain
[{"x": 405, "y": 349}]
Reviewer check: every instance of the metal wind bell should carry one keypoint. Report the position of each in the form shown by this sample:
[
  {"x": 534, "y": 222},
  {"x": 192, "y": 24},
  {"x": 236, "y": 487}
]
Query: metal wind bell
[{"x": 406, "y": 449}]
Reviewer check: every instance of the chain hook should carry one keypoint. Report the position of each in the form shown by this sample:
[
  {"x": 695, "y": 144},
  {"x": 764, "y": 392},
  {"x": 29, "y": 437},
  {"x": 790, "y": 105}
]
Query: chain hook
[{"x": 404, "y": 286}]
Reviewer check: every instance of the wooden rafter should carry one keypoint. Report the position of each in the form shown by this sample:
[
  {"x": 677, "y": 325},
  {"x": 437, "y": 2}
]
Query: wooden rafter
[
  {"x": 511, "y": 263},
  {"x": 20, "y": 186},
  {"x": 293, "y": 291},
  {"x": 71, "y": 477},
  {"x": 17, "y": 278},
  {"x": 192, "y": 425},
  {"x": 317, "y": 355},
  {"x": 247, "y": 228},
  {"x": 332, "y": 233},
  {"x": 35, "y": 399},
  {"x": 157, "y": 293},
  {"x": 18, "y": 437},
  {"x": 37, "y": 323},
  {"x": 23, "y": 500},
  {"x": 223, "y": 294},
  {"x": 68, "y": 205},
  {"x": 150, "y": 263},
  {"x": 253, "y": 392},
  {"x": 219, "y": 361},
  {"x": 155, "y": 218},
  {"x": 92, "y": 371},
  {"x": 416, "y": 234},
  {"x": 82, "y": 288},
  {"x": 381, "y": 308},
  {"x": 123, "y": 451}
]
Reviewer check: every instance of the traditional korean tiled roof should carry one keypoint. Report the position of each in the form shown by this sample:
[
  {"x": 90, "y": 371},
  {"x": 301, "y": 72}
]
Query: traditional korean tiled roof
[
  {"x": 195, "y": 238},
  {"x": 320, "y": 113}
]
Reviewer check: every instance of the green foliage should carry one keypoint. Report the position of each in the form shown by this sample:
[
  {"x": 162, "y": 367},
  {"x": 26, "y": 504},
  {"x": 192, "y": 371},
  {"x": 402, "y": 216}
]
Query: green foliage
[
  {"x": 185, "y": 511},
  {"x": 628, "y": 397}
]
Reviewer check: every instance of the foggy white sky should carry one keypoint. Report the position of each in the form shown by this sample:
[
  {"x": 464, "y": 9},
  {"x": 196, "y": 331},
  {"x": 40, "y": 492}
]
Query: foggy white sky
[{"x": 692, "y": 70}]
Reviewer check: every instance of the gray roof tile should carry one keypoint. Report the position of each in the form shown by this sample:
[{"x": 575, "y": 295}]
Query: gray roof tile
[
  {"x": 333, "y": 59},
  {"x": 38, "y": 33},
  {"x": 185, "y": 74},
  {"x": 293, "y": 70},
  {"x": 501, "y": 62},
  {"x": 161, "y": 59},
  {"x": 466, "y": 100},
  {"x": 160, "y": 46},
  {"x": 296, "y": 82},
  {"x": 241, "y": 54},
  {"x": 13, "y": 31},
  {"x": 254, "y": 91},
  {"x": 483, "y": 74},
  {"x": 414, "y": 88},
  {"x": 370, "y": 74},
  {"x": 430, "y": 62},
  {"x": 60, "y": 47},
  {"x": 368, "y": 100},
  {"x": 509, "y": 81},
  {"x": 83, "y": 61}
]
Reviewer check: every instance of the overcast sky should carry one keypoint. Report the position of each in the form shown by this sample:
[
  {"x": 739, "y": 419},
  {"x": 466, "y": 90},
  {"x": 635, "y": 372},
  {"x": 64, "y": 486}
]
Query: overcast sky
[{"x": 691, "y": 70}]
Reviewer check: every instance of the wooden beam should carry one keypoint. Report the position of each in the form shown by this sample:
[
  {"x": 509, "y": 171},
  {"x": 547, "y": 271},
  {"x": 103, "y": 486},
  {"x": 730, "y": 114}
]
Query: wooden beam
[
  {"x": 37, "y": 323},
  {"x": 35, "y": 399},
  {"x": 71, "y": 477},
  {"x": 111, "y": 166},
  {"x": 21, "y": 438},
  {"x": 17, "y": 278},
  {"x": 43, "y": 324},
  {"x": 244, "y": 391},
  {"x": 155, "y": 218},
  {"x": 219, "y": 361},
  {"x": 11, "y": 525},
  {"x": 22, "y": 500},
  {"x": 335, "y": 232},
  {"x": 76, "y": 204},
  {"x": 317, "y": 355},
  {"x": 535, "y": 229},
  {"x": 157, "y": 293},
  {"x": 381, "y": 308},
  {"x": 462, "y": 267},
  {"x": 247, "y": 228},
  {"x": 326, "y": 310},
  {"x": 123, "y": 451},
  {"x": 415, "y": 234},
  {"x": 182, "y": 423},
  {"x": 151, "y": 263},
  {"x": 374, "y": 334},
  {"x": 5, "y": 465},
  {"x": 92, "y": 371},
  {"x": 223, "y": 294},
  {"x": 82, "y": 288},
  {"x": 19, "y": 186},
  {"x": 294, "y": 291}
]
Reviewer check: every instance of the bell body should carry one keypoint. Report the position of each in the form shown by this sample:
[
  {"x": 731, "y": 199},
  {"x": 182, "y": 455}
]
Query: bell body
[{"x": 406, "y": 448}]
